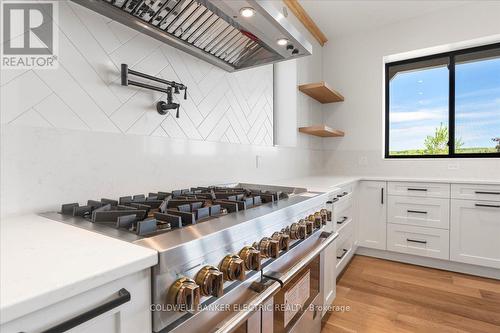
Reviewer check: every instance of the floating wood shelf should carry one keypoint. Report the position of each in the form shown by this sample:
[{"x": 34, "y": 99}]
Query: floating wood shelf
[
  {"x": 321, "y": 92},
  {"x": 321, "y": 130}
]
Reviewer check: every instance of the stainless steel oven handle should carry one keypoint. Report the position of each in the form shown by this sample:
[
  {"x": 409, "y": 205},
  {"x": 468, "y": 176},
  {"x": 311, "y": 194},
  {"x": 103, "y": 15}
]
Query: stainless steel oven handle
[
  {"x": 288, "y": 275},
  {"x": 235, "y": 321}
]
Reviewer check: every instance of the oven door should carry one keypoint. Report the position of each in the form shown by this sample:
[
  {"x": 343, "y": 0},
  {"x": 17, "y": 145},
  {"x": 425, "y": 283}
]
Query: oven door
[{"x": 298, "y": 304}]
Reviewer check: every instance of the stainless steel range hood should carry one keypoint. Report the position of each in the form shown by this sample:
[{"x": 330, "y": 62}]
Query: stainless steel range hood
[{"x": 213, "y": 30}]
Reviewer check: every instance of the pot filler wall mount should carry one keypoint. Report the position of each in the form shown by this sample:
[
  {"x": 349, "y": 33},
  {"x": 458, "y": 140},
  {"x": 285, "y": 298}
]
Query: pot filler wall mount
[{"x": 172, "y": 88}]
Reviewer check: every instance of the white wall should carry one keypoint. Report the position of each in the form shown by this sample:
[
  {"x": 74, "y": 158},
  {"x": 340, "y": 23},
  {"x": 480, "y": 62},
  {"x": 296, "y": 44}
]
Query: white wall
[
  {"x": 354, "y": 66},
  {"x": 74, "y": 134}
]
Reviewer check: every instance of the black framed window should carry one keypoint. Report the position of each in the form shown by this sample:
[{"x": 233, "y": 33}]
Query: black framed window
[{"x": 445, "y": 105}]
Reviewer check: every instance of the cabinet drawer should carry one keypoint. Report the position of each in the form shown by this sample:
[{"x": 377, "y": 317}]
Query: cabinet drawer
[
  {"x": 342, "y": 213},
  {"x": 133, "y": 315},
  {"x": 475, "y": 192},
  {"x": 345, "y": 229},
  {"x": 475, "y": 232},
  {"x": 344, "y": 252},
  {"x": 421, "y": 212},
  {"x": 427, "y": 242},
  {"x": 417, "y": 189}
]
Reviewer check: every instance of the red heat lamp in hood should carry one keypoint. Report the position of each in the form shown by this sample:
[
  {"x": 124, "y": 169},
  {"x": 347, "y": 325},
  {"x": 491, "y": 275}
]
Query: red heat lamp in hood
[{"x": 250, "y": 35}]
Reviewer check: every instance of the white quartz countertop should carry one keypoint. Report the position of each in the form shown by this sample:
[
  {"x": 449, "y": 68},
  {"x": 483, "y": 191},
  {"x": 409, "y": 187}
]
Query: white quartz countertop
[
  {"x": 325, "y": 183},
  {"x": 43, "y": 262}
]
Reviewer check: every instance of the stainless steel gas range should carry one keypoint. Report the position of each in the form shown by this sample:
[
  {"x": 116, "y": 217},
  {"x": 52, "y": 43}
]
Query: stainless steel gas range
[{"x": 240, "y": 257}]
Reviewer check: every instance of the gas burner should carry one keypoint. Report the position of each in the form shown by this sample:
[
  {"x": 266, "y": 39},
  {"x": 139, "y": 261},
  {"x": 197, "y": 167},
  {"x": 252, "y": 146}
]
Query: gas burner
[{"x": 164, "y": 211}]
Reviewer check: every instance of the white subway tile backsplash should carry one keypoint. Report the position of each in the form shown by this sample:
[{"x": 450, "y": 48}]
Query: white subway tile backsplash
[
  {"x": 231, "y": 135},
  {"x": 31, "y": 118},
  {"x": 131, "y": 111},
  {"x": 239, "y": 131},
  {"x": 208, "y": 83},
  {"x": 213, "y": 98},
  {"x": 86, "y": 92},
  {"x": 7, "y": 74},
  {"x": 73, "y": 95},
  {"x": 21, "y": 94},
  {"x": 78, "y": 45},
  {"x": 122, "y": 32},
  {"x": 219, "y": 130},
  {"x": 146, "y": 124},
  {"x": 59, "y": 114},
  {"x": 213, "y": 118},
  {"x": 180, "y": 67},
  {"x": 172, "y": 129},
  {"x": 87, "y": 77},
  {"x": 133, "y": 51},
  {"x": 159, "y": 131},
  {"x": 98, "y": 26}
]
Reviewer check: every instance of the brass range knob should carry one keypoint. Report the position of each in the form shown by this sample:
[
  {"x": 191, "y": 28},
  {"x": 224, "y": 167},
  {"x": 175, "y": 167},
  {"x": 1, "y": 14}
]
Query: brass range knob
[
  {"x": 318, "y": 221},
  {"x": 211, "y": 281},
  {"x": 324, "y": 216},
  {"x": 233, "y": 268},
  {"x": 268, "y": 247},
  {"x": 297, "y": 231},
  {"x": 251, "y": 258},
  {"x": 184, "y": 294},
  {"x": 283, "y": 240},
  {"x": 309, "y": 225}
]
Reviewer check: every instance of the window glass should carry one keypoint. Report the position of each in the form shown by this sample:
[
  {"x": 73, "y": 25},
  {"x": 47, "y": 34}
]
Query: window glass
[
  {"x": 477, "y": 103},
  {"x": 418, "y": 108}
]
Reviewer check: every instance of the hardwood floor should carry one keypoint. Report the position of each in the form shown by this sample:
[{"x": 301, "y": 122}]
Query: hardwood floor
[{"x": 387, "y": 296}]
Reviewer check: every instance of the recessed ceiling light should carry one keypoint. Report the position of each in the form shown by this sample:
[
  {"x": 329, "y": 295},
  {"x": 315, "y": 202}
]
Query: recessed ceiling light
[
  {"x": 282, "y": 41},
  {"x": 247, "y": 12}
]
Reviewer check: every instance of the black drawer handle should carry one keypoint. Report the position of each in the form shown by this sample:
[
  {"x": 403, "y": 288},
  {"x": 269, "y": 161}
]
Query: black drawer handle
[
  {"x": 123, "y": 297},
  {"x": 416, "y": 211},
  {"x": 417, "y": 189},
  {"x": 416, "y": 241},
  {"x": 485, "y": 205},
  {"x": 343, "y": 220},
  {"x": 486, "y": 192},
  {"x": 344, "y": 252}
]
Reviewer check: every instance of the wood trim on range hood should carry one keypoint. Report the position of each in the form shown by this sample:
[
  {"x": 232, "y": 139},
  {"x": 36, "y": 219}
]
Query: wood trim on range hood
[{"x": 306, "y": 20}]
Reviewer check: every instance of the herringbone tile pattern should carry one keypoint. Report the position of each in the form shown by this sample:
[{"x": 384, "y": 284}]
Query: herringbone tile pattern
[{"x": 84, "y": 93}]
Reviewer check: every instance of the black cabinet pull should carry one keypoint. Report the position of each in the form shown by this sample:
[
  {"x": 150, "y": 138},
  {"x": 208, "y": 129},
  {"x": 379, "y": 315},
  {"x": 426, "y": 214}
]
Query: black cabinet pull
[
  {"x": 416, "y": 241},
  {"x": 123, "y": 297},
  {"x": 485, "y": 205},
  {"x": 416, "y": 211},
  {"x": 343, "y": 220},
  {"x": 344, "y": 252},
  {"x": 486, "y": 192},
  {"x": 417, "y": 189},
  {"x": 382, "y": 195}
]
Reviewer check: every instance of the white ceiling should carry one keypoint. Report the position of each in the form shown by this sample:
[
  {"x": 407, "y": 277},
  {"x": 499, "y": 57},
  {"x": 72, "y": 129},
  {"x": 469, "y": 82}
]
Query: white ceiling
[{"x": 340, "y": 17}]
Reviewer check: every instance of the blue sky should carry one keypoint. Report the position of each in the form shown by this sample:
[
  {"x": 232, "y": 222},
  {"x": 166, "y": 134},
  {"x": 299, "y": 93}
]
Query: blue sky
[{"x": 419, "y": 103}]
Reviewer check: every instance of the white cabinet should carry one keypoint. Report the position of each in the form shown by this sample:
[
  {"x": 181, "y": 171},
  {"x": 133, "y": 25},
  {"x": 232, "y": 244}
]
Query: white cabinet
[
  {"x": 345, "y": 246},
  {"x": 418, "y": 211},
  {"x": 372, "y": 198},
  {"x": 427, "y": 242},
  {"x": 419, "y": 189},
  {"x": 125, "y": 305},
  {"x": 475, "y": 232},
  {"x": 475, "y": 192},
  {"x": 329, "y": 275}
]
